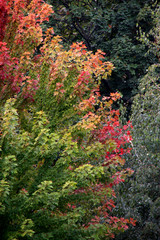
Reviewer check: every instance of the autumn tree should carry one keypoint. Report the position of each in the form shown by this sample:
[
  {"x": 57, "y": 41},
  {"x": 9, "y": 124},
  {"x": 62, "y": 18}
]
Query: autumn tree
[
  {"x": 21, "y": 33},
  {"x": 61, "y": 147}
]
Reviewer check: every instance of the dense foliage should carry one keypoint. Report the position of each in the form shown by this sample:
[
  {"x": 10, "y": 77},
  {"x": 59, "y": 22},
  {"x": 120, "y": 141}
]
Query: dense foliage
[
  {"x": 112, "y": 26},
  {"x": 21, "y": 34},
  {"x": 61, "y": 147},
  {"x": 140, "y": 197}
]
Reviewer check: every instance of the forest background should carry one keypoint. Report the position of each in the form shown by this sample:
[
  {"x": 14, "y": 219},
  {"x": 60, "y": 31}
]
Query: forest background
[{"x": 62, "y": 139}]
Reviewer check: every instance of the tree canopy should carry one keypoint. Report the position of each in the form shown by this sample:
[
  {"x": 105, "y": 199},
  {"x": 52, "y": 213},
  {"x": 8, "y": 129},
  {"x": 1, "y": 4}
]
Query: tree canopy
[
  {"x": 61, "y": 147},
  {"x": 113, "y": 27}
]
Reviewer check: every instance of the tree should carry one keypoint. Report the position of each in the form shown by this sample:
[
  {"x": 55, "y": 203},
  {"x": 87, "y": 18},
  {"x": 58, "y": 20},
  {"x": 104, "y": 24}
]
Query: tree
[
  {"x": 56, "y": 176},
  {"x": 21, "y": 34},
  {"x": 56, "y": 184},
  {"x": 141, "y": 195},
  {"x": 112, "y": 27}
]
